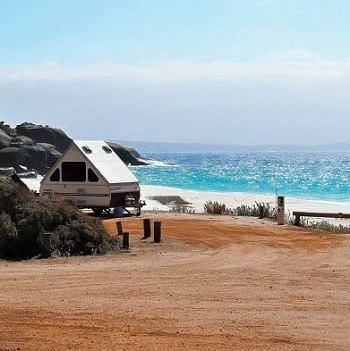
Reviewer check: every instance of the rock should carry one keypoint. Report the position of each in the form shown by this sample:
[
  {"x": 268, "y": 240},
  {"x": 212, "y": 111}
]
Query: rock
[
  {"x": 21, "y": 140},
  {"x": 45, "y": 134},
  {"x": 42, "y": 157},
  {"x": 32, "y": 156},
  {"x": 7, "y": 171},
  {"x": 36, "y": 157},
  {"x": 39, "y": 147},
  {"x": 4, "y": 139},
  {"x": 6, "y": 128},
  {"x": 51, "y": 149},
  {"x": 128, "y": 155},
  {"x": 12, "y": 157}
]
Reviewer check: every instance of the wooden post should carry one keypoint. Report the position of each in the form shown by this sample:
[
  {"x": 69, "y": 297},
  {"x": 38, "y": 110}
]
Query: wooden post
[
  {"x": 146, "y": 228},
  {"x": 119, "y": 228},
  {"x": 46, "y": 245},
  {"x": 157, "y": 232},
  {"x": 126, "y": 241}
]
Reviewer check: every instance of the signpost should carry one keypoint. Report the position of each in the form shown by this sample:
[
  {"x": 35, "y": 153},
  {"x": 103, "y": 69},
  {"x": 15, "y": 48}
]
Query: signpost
[{"x": 280, "y": 210}]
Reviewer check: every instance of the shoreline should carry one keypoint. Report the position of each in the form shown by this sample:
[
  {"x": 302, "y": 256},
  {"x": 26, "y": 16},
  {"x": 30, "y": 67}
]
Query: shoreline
[{"x": 235, "y": 199}]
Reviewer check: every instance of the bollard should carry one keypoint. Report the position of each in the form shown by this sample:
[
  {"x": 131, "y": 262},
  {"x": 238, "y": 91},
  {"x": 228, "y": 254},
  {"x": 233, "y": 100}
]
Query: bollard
[
  {"x": 125, "y": 241},
  {"x": 46, "y": 245},
  {"x": 119, "y": 228},
  {"x": 146, "y": 228},
  {"x": 157, "y": 232}
]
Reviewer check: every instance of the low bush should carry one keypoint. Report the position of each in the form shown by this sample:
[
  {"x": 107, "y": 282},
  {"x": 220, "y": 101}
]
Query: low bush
[
  {"x": 214, "y": 207},
  {"x": 8, "y": 235},
  {"x": 24, "y": 218},
  {"x": 182, "y": 209},
  {"x": 259, "y": 209},
  {"x": 329, "y": 227},
  {"x": 321, "y": 225}
]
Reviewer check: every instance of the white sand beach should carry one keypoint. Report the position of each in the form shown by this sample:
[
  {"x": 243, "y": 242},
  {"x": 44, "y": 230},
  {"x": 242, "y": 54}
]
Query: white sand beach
[
  {"x": 197, "y": 199},
  {"x": 235, "y": 199}
]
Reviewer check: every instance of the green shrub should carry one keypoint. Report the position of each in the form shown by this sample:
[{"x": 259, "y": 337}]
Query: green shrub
[
  {"x": 8, "y": 236},
  {"x": 25, "y": 217},
  {"x": 322, "y": 225},
  {"x": 182, "y": 209},
  {"x": 259, "y": 209},
  {"x": 245, "y": 210},
  {"x": 214, "y": 207}
]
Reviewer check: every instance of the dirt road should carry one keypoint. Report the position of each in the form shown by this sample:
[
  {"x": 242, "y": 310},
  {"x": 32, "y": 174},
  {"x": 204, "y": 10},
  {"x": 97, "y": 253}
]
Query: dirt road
[{"x": 214, "y": 283}]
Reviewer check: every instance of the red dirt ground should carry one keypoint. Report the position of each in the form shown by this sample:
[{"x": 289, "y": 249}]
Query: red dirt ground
[{"x": 214, "y": 283}]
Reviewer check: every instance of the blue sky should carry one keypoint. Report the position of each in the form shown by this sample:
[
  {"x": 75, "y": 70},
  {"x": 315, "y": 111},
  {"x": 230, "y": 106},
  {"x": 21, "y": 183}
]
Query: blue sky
[{"x": 225, "y": 71}]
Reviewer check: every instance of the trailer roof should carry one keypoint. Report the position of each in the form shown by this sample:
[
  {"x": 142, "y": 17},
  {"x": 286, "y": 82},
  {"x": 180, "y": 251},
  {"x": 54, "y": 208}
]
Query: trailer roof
[{"x": 106, "y": 161}]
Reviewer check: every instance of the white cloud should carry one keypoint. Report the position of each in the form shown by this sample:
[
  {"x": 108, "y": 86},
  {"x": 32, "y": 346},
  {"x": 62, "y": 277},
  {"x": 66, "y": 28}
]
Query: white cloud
[
  {"x": 293, "y": 65},
  {"x": 275, "y": 99}
]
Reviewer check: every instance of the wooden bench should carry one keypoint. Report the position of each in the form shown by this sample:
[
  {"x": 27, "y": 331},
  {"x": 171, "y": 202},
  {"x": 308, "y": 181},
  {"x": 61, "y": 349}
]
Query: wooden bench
[{"x": 299, "y": 214}]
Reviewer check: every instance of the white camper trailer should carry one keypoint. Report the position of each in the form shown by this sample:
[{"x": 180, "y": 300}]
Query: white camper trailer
[{"x": 91, "y": 175}]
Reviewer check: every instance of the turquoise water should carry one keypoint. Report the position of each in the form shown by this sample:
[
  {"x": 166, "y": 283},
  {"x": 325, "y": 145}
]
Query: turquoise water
[{"x": 309, "y": 175}]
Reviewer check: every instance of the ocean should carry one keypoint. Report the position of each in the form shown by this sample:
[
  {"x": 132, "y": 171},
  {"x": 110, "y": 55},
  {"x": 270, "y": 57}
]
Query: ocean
[{"x": 316, "y": 175}]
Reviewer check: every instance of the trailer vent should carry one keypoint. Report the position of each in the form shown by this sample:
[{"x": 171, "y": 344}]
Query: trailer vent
[
  {"x": 86, "y": 149},
  {"x": 106, "y": 149}
]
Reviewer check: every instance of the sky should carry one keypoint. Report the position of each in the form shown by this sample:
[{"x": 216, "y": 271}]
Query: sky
[{"x": 241, "y": 72}]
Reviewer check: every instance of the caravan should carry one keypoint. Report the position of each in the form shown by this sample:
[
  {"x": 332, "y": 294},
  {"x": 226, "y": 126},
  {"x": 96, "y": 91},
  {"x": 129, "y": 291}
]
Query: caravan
[{"x": 91, "y": 175}]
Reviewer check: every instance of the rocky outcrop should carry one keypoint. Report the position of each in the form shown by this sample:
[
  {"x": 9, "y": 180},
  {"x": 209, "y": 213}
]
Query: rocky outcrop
[
  {"x": 128, "y": 155},
  {"x": 45, "y": 134},
  {"x": 39, "y": 147},
  {"x": 11, "y": 157},
  {"x": 4, "y": 140},
  {"x": 33, "y": 146}
]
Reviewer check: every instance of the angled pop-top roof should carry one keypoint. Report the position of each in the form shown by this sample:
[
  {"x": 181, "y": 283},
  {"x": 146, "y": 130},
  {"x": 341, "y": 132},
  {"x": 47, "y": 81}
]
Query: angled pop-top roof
[{"x": 106, "y": 161}]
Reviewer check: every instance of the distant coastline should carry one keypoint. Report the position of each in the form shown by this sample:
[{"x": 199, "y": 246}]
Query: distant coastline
[{"x": 152, "y": 147}]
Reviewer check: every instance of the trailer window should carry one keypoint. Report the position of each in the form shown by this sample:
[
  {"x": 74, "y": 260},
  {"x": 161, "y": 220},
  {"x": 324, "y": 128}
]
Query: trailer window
[
  {"x": 55, "y": 176},
  {"x": 73, "y": 171},
  {"x": 92, "y": 177}
]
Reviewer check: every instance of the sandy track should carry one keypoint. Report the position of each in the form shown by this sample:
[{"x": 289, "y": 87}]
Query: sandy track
[{"x": 213, "y": 284}]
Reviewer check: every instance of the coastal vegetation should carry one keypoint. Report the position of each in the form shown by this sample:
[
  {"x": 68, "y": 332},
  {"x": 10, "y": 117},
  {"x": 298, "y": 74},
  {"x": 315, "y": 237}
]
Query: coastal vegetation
[
  {"x": 264, "y": 210},
  {"x": 180, "y": 208},
  {"x": 259, "y": 209},
  {"x": 322, "y": 225},
  {"x": 24, "y": 218}
]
